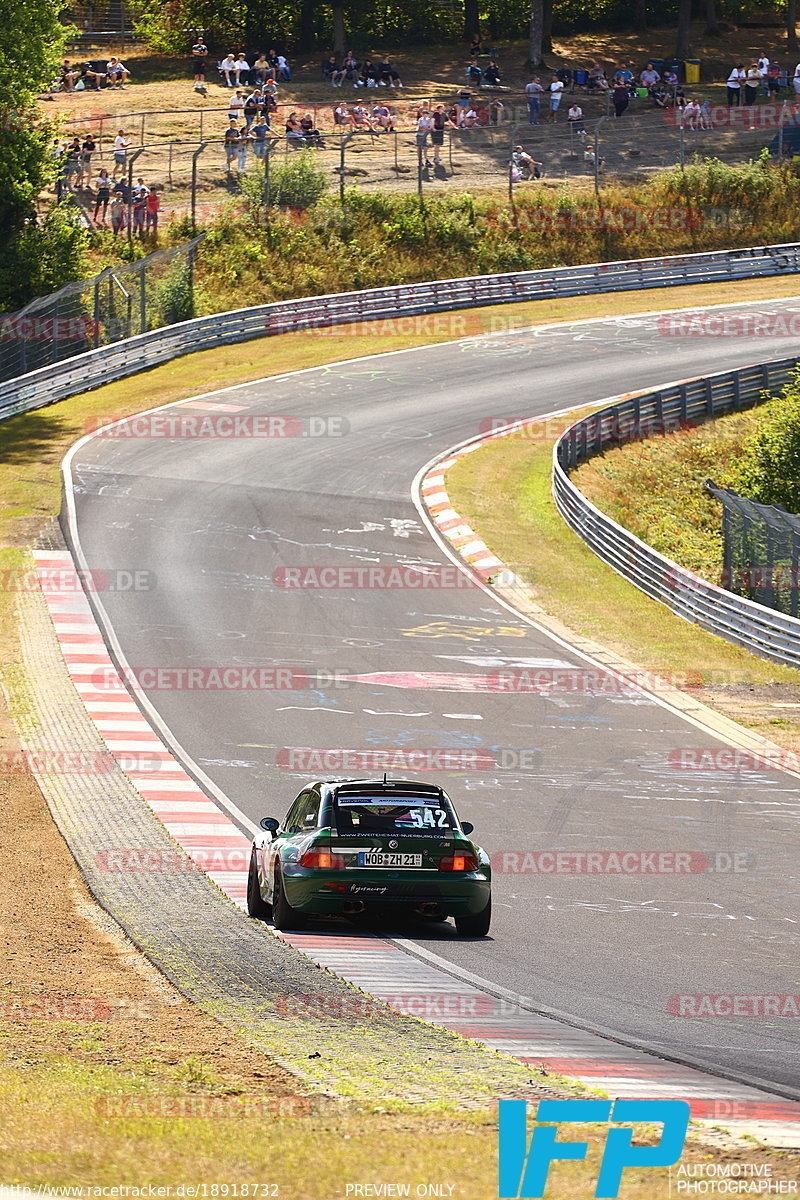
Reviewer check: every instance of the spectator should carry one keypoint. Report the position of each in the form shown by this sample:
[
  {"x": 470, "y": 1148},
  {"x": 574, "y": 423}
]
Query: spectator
[
  {"x": 496, "y": 112},
  {"x": 369, "y": 73},
  {"x": 691, "y": 114},
  {"x": 474, "y": 73},
  {"x": 241, "y": 70},
  {"x": 763, "y": 69},
  {"x": 476, "y": 45},
  {"x": 470, "y": 118},
  {"x": 751, "y": 85},
  {"x": 236, "y": 105},
  {"x": 232, "y": 138},
  {"x": 270, "y": 91},
  {"x": 69, "y": 76},
  {"x": 121, "y": 148},
  {"x": 527, "y": 166},
  {"x": 734, "y": 85},
  {"x": 283, "y": 69},
  {"x": 774, "y": 79},
  {"x": 199, "y": 56},
  {"x": 259, "y": 134},
  {"x": 556, "y": 92},
  {"x": 492, "y": 74},
  {"x": 121, "y": 189},
  {"x": 440, "y": 122},
  {"x": 153, "y": 204},
  {"x": 139, "y": 199},
  {"x": 253, "y": 105},
  {"x": 241, "y": 150},
  {"x": 623, "y": 75},
  {"x": 262, "y": 69},
  {"x": 87, "y": 150},
  {"x": 575, "y": 117},
  {"x": 705, "y": 115},
  {"x": 621, "y": 96},
  {"x": 596, "y": 79},
  {"x": 796, "y": 82},
  {"x": 342, "y": 115},
  {"x": 310, "y": 132},
  {"x": 350, "y": 67},
  {"x": 567, "y": 76},
  {"x": 533, "y": 94},
  {"x": 119, "y": 215},
  {"x": 295, "y": 137},
  {"x": 670, "y": 80},
  {"x": 228, "y": 68},
  {"x": 92, "y": 78},
  {"x": 103, "y": 186},
  {"x": 382, "y": 117},
  {"x": 649, "y": 77},
  {"x": 72, "y": 165},
  {"x": 463, "y": 102},
  {"x": 116, "y": 73},
  {"x": 387, "y": 75},
  {"x": 425, "y": 126}
]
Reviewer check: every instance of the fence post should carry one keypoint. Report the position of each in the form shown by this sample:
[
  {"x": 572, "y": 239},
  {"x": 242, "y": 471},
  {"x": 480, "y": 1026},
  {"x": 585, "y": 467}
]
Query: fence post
[
  {"x": 143, "y": 297},
  {"x": 195, "y": 157},
  {"x": 682, "y": 143}
]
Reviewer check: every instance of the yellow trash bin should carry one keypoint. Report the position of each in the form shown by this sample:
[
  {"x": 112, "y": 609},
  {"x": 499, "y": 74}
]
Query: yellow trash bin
[{"x": 692, "y": 69}]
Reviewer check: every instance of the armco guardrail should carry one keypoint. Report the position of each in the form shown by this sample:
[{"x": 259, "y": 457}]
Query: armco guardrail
[
  {"x": 107, "y": 363},
  {"x": 764, "y": 631}
]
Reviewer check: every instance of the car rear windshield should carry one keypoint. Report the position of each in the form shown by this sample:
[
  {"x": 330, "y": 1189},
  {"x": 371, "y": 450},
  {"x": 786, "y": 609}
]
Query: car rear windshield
[{"x": 393, "y": 814}]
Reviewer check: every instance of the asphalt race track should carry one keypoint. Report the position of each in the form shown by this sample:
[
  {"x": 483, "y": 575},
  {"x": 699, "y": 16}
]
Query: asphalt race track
[{"x": 221, "y": 521}]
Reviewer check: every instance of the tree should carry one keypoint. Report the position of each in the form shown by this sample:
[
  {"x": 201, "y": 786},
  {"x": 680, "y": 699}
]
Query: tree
[
  {"x": 31, "y": 41},
  {"x": 769, "y": 470},
  {"x": 339, "y": 30},
  {"x": 684, "y": 28},
  {"x": 712, "y": 24},
  {"x": 640, "y": 15},
  {"x": 471, "y": 18},
  {"x": 536, "y": 36},
  {"x": 791, "y": 26}
]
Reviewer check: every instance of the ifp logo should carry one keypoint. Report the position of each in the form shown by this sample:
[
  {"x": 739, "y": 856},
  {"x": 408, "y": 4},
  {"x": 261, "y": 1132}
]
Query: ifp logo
[{"x": 523, "y": 1170}]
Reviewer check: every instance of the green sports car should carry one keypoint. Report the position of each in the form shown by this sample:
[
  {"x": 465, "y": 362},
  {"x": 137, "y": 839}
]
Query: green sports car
[{"x": 370, "y": 846}]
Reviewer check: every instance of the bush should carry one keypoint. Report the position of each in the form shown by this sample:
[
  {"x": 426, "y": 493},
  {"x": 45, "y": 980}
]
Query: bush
[
  {"x": 770, "y": 467},
  {"x": 300, "y": 182}
]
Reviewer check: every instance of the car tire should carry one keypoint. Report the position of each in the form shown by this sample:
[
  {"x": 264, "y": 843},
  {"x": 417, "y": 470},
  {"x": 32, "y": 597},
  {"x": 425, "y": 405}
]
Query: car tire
[
  {"x": 284, "y": 917},
  {"x": 475, "y": 924},
  {"x": 257, "y": 906}
]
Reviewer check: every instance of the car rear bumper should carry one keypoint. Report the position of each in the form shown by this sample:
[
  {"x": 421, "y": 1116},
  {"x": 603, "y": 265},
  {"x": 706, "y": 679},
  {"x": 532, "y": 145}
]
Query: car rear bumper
[{"x": 342, "y": 891}]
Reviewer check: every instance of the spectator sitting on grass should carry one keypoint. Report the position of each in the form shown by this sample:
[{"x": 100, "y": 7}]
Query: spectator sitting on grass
[
  {"x": 623, "y": 75},
  {"x": 69, "y": 75},
  {"x": 262, "y": 70},
  {"x": 92, "y": 78},
  {"x": 310, "y": 132},
  {"x": 241, "y": 68},
  {"x": 476, "y": 45},
  {"x": 350, "y": 65},
  {"x": 474, "y": 73},
  {"x": 227, "y": 68},
  {"x": 491, "y": 75},
  {"x": 527, "y": 166},
  {"x": 283, "y": 69},
  {"x": 369, "y": 73},
  {"x": 387, "y": 75},
  {"x": 295, "y": 136},
  {"x": 116, "y": 73}
]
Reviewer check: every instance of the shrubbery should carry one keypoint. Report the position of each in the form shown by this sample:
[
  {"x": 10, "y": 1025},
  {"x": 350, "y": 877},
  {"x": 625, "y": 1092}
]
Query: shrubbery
[{"x": 770, "y": 468}]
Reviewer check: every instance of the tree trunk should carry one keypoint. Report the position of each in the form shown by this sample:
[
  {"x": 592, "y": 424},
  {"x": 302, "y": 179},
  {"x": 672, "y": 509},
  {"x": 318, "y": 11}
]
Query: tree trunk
[
  {"x": 712, "y": 24},
  {"x": 536, "y": 38},
  {"x": 547, "y": 27},
  {"x": 306, "y": 33},
  {"x": 791, "y": 26},
  {"x": 684, "y": 28},
  {"x": 640, "y": 15},
  {"x": 339, "y": 31},
  {"x": 471, "y": 19}
]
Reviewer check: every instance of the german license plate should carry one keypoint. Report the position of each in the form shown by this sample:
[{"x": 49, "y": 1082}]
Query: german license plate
[{"x": 375, "y": 858}]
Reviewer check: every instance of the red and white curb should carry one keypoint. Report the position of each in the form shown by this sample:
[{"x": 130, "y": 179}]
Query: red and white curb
[{"x": 381, "y": 967}]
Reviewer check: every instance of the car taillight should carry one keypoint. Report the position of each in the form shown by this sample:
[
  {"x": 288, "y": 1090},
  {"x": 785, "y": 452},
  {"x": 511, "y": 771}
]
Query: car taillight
[
  {"x": 459, "y": 862},
  {"x": 322, "y": 860}
]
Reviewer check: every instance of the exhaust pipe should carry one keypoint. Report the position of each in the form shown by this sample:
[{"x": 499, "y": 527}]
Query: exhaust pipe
[{"x": 352, "y": 907}]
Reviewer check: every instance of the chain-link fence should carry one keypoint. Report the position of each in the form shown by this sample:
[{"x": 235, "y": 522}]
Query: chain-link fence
[
  {"x": 118, "y": 303},
  {"x": 761, "y": 550}
]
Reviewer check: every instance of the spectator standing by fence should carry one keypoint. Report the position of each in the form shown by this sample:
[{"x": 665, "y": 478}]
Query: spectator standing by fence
[
  {"x": 533, "y": 95},
  {"x": 153, "y": 205},
  {"x": 121, "y": 148},
  {"x": 199, "y": 56},
  {"x": 556, "y": 92},
  {"x": 103, "y": 195},
  {"x": 734, "y": 85}
]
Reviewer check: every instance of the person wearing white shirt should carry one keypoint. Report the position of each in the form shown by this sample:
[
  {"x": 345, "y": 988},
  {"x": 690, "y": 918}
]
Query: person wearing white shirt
[
  {"x": 241, "y": 67},
  {"x": 283, "y": 68},
  {"x": 796, "y": 81},
  {"x": 734, "y": 85},
  {"x": 575, "y": 117},
  {"x": 556, "y": 88},
  {"x": 121, "y": 147},
  {"x": 227, "y": 67},
  {"x": 763, "y": 66}
]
